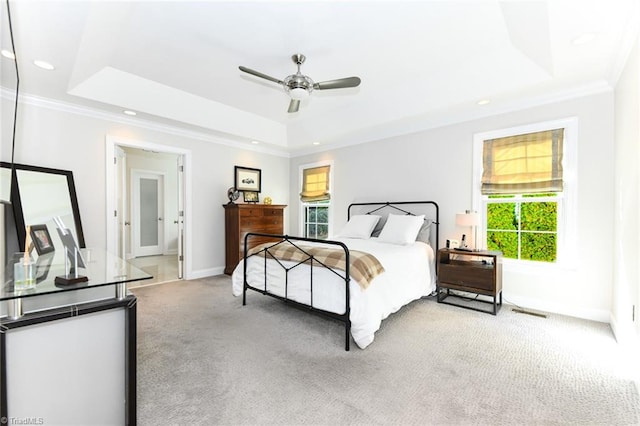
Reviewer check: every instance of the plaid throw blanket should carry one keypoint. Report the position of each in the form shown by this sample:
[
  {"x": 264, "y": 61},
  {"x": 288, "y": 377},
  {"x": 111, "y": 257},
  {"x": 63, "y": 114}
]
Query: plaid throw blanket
[{"x": 363, "y": 268}]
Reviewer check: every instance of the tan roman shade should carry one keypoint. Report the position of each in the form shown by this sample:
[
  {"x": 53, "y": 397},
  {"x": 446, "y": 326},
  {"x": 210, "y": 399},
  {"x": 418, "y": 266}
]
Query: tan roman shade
[
  {"x": 315, "y": 184},
  {"x": 523, "y": 164}
]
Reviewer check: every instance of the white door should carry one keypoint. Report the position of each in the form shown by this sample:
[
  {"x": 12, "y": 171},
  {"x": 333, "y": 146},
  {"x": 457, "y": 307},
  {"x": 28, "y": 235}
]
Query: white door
[{"x": 148, "y": 213}]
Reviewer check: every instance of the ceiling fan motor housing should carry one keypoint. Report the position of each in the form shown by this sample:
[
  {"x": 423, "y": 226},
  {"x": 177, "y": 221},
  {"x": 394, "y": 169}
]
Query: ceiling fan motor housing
[{"x": 298, "y": 86}]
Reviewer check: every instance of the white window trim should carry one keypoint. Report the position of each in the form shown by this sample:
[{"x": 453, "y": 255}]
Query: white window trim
[
  {"x": 301, "y": 168},
  {"x": 567, "y": 206}
]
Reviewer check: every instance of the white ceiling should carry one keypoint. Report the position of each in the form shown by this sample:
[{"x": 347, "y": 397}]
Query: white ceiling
[{"x": 422, "y": 63}]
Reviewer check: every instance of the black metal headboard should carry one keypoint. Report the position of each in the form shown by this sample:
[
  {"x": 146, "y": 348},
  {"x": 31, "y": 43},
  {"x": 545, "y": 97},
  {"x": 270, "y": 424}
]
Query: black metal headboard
[{"x": 395, "y": 205}]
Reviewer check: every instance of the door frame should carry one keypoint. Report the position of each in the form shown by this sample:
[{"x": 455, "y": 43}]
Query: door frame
[
  {"x": 121, "y": 201},
  {"x": 111, "y": 205},
  {"x": 136, "y": 175}
]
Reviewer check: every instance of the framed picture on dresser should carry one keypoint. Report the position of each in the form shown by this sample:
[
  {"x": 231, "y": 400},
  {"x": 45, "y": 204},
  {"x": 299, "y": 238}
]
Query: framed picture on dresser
[
  {"x": 247, "y": 179},
  {"x": 250, "y": 196}
]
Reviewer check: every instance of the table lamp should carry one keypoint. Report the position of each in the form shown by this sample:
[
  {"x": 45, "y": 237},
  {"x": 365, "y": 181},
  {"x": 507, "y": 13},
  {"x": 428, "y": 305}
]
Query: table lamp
[{"x": 471, "y": 219}]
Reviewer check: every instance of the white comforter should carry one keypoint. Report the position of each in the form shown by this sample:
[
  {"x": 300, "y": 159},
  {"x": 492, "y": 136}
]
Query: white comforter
[{"x": 409, "y": 275}]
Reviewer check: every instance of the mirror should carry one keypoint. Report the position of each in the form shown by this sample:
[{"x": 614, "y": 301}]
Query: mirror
[
  {"x": 38, "y": 195},
  {"x": 8, "y": 110}
]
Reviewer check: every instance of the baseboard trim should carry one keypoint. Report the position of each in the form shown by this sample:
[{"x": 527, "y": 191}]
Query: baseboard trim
[
  {"x": 626, "y": 337},
  {"x": 203, "y": 273},
  {"x": 599, "y": 315}
]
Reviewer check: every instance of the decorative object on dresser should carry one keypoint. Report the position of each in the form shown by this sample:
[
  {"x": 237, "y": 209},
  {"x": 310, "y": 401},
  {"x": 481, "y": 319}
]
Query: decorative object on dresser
[
  {"x": 241, "y": 219},
  {"x": 478, "y": 272},
  {"x": 247, "y": 179},
  {"x": 232, "y": 194},
  {"x": 250, "y": 196},
  {"x": 267, "y": 200}
]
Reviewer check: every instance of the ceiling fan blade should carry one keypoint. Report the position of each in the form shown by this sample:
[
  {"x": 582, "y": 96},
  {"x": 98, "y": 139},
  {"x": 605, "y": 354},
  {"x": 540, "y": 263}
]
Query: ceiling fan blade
[
  {"x": 340, "y": 83},
  {"x": 294, "y": 105},
  {"x": 259, "y": 74}
]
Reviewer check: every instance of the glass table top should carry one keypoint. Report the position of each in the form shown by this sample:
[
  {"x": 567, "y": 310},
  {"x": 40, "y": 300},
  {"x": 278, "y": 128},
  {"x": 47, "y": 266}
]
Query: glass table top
[{"x": 102, "y": 269}]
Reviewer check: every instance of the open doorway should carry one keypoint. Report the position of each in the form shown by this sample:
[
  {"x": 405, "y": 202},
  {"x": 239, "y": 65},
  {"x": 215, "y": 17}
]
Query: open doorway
[{"x": 147, "y": 195}]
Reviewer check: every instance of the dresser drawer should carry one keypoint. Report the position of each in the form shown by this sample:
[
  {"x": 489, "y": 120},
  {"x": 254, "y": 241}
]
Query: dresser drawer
[
  {"x": 251, "y": 212},
  {"x": 272, "y": 212},
  {"x": 251, "y": 223},
  {"x": 467, "y": 276}
]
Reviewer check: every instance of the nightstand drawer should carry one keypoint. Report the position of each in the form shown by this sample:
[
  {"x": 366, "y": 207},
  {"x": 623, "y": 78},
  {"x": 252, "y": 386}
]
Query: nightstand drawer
[{"x": 479, "y": 277}]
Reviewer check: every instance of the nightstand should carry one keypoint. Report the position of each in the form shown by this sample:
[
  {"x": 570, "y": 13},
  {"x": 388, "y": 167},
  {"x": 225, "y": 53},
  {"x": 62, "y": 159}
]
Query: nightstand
[{"x": 478, "y": 272}]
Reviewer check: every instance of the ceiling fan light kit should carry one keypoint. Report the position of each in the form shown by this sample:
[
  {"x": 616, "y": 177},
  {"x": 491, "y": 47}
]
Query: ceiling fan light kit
[{"x": 299, "y": 86}]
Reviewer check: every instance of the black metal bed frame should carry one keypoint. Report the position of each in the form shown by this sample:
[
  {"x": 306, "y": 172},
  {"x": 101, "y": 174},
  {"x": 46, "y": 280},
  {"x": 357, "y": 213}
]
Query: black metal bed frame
[{"x": 345, "y": 317}]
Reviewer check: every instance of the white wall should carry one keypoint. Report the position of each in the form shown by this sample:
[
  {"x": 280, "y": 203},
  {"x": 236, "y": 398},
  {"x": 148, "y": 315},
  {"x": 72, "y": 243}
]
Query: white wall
[
  {"x": 66, "y": 140},
  {"x": 436, "y": 165},
  {"x": 626, "y": 285}
]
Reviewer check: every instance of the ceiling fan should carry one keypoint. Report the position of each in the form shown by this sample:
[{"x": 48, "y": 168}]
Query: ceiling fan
[{"x": 299, "y": 86}]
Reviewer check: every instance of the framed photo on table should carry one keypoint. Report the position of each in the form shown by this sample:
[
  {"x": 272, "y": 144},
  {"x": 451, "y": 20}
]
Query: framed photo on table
[
  {"x": 41, "y": 239},
  {"x": 247, "y": 179}
]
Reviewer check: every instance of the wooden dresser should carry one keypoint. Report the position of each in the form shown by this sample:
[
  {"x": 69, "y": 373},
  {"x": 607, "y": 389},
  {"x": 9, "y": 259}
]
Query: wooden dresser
[{"x": 243, "y": 218}]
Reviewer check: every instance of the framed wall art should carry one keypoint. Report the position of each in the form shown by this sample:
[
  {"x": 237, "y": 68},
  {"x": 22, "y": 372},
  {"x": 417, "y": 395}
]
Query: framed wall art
[{"x": 247, "y": 179}]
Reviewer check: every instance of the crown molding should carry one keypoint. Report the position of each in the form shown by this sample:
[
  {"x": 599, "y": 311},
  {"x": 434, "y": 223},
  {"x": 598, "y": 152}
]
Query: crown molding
[
  {"x": 60, "y": 106},
  {"x": 383, "y": 131},
  {"x": 429, "y": 121}
]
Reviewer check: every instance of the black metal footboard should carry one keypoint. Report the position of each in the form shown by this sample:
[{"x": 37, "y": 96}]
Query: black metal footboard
[{"x": 309, "y": 260}]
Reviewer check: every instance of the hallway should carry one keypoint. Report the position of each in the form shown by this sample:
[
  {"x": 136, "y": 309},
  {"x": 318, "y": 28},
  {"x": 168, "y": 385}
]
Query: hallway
[{"x": 163, "y": 268}]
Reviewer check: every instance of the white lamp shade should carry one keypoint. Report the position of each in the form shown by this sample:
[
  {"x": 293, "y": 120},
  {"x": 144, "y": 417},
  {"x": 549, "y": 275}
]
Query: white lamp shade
[{"x": 467, "y": 219}]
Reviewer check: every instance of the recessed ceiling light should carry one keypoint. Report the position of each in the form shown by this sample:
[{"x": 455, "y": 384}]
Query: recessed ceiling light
[
  {"x": 8, "y": 54},
  {"x": 255, "y": 142},
  {"x": 44, "y": 65},
  {"x": 315, "y": 143},
  {"x": 583, "y": 39},
  {"x": 129, "y": 112},
  {"x": 484, "y": 102}
]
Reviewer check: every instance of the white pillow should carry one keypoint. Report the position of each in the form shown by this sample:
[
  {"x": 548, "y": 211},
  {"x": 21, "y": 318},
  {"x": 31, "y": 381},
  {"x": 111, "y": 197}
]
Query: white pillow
[
  {"x": 401, "y": 229},
  {"x": 359, "y": 226}
]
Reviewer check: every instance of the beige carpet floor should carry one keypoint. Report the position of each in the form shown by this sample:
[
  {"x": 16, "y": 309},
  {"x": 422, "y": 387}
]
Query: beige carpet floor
[{"x": 205, "y": 359}]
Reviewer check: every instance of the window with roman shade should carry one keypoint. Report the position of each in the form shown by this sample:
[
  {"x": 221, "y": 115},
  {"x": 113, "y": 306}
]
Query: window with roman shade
[
  {"x": 315, "y": 184},
  {"x": 523, "y": 164}
]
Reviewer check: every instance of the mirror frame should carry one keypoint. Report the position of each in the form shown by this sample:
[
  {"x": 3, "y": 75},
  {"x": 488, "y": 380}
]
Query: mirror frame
[{"x": 16, "y": 201}]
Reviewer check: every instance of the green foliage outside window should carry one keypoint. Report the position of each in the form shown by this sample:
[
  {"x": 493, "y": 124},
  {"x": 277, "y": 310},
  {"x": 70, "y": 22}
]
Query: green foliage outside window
[
  {"x": 316, "y": 222},
  {"x": 523, "y": 230}
]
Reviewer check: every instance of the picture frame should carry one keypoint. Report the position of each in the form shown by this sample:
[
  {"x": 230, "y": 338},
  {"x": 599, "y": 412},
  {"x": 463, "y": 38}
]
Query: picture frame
[
  {"x": 250, "y": 196},
  {"x": 41, "y": 239},
  {"x": 247, "y": 179}
]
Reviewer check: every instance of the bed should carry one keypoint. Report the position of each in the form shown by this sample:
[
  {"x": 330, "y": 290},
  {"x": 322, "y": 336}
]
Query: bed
[{"x": 382, "y": 259}]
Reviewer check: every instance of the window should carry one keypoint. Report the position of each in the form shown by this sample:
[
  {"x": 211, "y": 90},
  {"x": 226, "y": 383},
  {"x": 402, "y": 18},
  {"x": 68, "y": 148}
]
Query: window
[
  {"x": 315, "y": 199},
  {"x": 523, "y": 227},
  {"x": 523, "y": 182},
  {"x": 316, "y": 220}
]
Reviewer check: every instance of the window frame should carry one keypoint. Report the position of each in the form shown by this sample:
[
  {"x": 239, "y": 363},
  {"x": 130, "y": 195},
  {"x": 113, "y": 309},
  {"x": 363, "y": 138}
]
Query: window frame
[
  {"x": 567, "y": 200},
  {"x": 303, "y": 205}
]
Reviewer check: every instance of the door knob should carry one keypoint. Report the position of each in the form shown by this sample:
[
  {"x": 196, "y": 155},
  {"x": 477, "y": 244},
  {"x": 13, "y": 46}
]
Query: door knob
[{"x": 160, "y": 219}]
